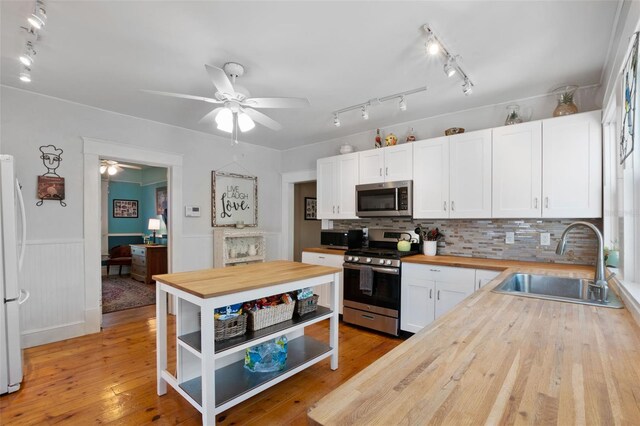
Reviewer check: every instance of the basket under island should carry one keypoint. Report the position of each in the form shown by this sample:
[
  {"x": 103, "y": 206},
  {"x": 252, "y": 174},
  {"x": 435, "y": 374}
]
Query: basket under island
[{"x": 211, "y": 375}]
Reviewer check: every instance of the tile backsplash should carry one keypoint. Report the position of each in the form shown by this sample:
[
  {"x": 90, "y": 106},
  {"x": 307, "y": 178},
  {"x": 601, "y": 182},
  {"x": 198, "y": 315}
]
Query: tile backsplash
[{"x": 486, "y": 237}]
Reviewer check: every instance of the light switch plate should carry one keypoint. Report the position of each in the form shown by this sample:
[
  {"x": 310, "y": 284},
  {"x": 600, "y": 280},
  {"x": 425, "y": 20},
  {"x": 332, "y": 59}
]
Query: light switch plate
[
  {"x": 510, "y": 238},
  {"x": 545, "y": 239}
]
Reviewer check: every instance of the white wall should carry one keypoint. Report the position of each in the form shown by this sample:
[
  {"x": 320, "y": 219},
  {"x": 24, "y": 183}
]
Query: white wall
[
  {"x": 304, "y": 158},
  {"x": 54, "y": 263}
]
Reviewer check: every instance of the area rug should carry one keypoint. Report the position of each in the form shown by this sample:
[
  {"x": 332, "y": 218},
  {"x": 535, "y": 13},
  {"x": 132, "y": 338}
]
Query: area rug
[{"x": 120, "y": 293}]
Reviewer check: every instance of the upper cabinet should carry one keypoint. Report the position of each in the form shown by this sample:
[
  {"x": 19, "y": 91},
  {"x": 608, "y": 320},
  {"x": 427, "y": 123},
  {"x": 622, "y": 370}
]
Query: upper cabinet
[
  {"x": 337, "y": 178},
  {"x": 387, "y": 164},
  {"x": 517, "y": 170},
  {"x": 572, "y": 166},
  {"x": 452, "y": 176}
]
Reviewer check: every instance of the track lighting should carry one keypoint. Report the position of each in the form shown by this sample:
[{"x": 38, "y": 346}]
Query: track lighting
[
  {"x": 27, "y": 57},
  {"x": 25, "y": 75},
  {"x": 467, "y": 87},
  {"x": 336, "y": 120},
  {"x": 38, "y": 18},
  {"x": 449, "y": 67},
  {"x": 433, "y": 46},
  {"x": 245, "y": 122},
  {"x": 402, "y": 104},
  {"x": 365, "y": 112}
]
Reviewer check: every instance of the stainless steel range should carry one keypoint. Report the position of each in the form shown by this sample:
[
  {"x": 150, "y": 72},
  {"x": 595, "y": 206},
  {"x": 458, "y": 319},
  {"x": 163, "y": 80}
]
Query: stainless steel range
[{"x": 372, "y": 281}]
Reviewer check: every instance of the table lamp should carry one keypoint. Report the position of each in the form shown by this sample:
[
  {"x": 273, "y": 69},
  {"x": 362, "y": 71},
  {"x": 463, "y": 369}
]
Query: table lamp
[{"x": 154, "y": 225}]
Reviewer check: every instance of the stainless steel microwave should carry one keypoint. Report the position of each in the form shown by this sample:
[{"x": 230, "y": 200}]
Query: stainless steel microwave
[{"x": 385, "y": 199}]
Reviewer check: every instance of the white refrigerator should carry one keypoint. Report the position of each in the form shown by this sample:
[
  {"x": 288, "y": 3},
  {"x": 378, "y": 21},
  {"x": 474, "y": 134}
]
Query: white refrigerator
[{"x": 12, "y": 247}]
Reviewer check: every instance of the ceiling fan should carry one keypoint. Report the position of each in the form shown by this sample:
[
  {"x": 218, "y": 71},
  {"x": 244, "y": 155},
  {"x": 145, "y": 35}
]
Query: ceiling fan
[
  {"x": 238, "y": 109},
  {"x": 112, "y": 167}
]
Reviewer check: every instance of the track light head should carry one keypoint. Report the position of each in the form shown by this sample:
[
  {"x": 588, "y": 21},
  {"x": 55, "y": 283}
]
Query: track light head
[
  {"x": 467, "y": 87},
  {"x": 38, "y": 18},
  {"x": 365, "y": 112},
  {"x": 336, "y": 120},
  {"x": 25, "y": 75},
  {"x": 449, "y": 68},
  {"x": 27, "y": 57},
  {"x": 402, "y": 104}
]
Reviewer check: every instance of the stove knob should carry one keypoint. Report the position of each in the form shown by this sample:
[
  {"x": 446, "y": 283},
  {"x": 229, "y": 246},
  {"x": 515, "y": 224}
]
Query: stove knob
[
  {"x": 355, "y": 259},
  {"x": 368, "y": 260},
  {"x": 388, "y": 262},
  {"x": 381, "y": 261},
  {"x": 349, "y": 258}
]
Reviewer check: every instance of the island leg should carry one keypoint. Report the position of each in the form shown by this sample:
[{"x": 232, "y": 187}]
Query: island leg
[
  {"x": 161, "y": 338},
  {"x": 333, "y": 322},
  {"x": 208, "y": 366}
]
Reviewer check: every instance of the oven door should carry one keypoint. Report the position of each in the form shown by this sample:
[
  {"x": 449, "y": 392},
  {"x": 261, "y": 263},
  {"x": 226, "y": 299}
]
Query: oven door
[{"x": 385, "y": 292}]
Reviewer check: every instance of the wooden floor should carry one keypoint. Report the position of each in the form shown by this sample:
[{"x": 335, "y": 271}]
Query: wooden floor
[{"x": 110, "y": 377}]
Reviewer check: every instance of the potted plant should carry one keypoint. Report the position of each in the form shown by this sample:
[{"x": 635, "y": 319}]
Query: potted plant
[{"x": 431, "y": 241}]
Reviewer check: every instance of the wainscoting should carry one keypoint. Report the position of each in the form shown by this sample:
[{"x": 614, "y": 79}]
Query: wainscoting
[{"x": 54, "y": 275}]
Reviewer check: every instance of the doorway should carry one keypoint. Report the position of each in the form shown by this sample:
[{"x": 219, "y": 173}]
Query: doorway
[
  {"x": 134, "y": 233},
  {"x": 306, "y": 226}
]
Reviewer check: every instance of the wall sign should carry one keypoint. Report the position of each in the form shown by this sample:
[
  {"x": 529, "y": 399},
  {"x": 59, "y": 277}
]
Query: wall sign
[
  {"x": 127, "y": 209},
  {"x": 234, "y": 199}
]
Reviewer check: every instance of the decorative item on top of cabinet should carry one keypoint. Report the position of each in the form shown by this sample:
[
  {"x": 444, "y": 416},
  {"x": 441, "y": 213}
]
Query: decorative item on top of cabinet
[
  {"x": 513, "y": 115},
  {"x": 237, "y": 246},
  {"x": 453, "y": 131},
  {"x": 411, "y": 136},
  {"x": 391, "y": 139},
  {"x": 346, "y": 149},
  {"x": 378, "y": 139},
  {"x": 565, "y": 95}
]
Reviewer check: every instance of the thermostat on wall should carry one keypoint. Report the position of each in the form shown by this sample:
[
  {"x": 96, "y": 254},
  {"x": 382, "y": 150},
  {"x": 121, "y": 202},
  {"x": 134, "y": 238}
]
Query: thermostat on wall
[{"x": 192, "y": 211}]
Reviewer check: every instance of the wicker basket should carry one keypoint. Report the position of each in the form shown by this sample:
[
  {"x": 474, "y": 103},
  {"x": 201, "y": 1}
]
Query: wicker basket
[
  {"x": 228, "y": 328},
  {"x": 305, "y": 306},
  {"x": 265, "y": 317}
]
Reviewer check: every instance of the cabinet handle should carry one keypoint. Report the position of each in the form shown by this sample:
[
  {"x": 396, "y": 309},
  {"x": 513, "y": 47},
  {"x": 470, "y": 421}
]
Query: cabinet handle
[
  {"x": 334, "y": 209},
  {"x": 380, "y": 171},
  {"x": 438, "y": 297},
  {"x": 321, "y": 257},
  {"x": 480, "y": 283},
  {"x": 338, "y": 209},
  {"x": 386, "y": 171},
  {"x": 546, "y": 202},
  {"x": 430, "y": 293},
  {"x": 434, "y": 270},
  {"x": 535, "y": 202},
  {"x": 453, "y": 206},
  {"x": 445, "y": 206}
]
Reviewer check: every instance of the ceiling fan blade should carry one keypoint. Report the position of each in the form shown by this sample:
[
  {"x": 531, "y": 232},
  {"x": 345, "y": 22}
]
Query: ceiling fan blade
[
  {"x": 129, "y": 166},
  {"x": 220, "y": 80},
  {"x": 277, "y": 102},
  {"x": 180, "y": 95},
  {"x": 263, "y": 119},
  {"x": 211, "y": 115}
]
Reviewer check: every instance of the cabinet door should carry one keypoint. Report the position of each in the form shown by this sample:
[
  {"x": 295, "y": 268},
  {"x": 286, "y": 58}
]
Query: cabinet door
[
  {"x": 371, "y": 167},
  {"x": 483, "y": 277},
  {"x": 572, "y": 166},
  {"x": 517, "y": 170},
  {"x": 322, "y": 291},
  {"x": 417, "y": 307},
  {"x": 431, "y": 178},
  {"x": 449, "y": 294},
  {"x": 398, "y": 162},
  {"x": 325, "y": 190},
  {"x": 346, "y": 186},
  {"x": 470, "y": 175}
]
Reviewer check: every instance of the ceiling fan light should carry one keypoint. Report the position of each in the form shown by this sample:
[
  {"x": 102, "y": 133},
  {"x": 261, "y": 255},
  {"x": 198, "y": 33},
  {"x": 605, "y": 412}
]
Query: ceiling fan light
[
  {"x": 224, "y": 120},
  {"x": 112, "y": 170},
  {"x": 103, "y": 169},
  {"x": 245, "y": 122}
]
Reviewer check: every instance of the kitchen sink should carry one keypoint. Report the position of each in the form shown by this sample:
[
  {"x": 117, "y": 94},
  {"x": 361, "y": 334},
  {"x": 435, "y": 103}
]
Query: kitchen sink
[{"x": 562, "y": 289}]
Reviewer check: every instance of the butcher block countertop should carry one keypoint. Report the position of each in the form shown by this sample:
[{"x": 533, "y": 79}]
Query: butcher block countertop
[
  {"x": 208, "y": 283},
  {"x": 502, "y": 359},
  {"x": 492, "y": 264}
]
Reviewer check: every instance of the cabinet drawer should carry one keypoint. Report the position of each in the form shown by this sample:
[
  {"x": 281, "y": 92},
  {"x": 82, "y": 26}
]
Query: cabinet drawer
[
  {"x": 135, "y": 250},
  {"x": 316, "y": 258},
  {"x": 136, "y": 259},
  {"x": 438, "y": 273},
  {"x": 138, "y": 270}
]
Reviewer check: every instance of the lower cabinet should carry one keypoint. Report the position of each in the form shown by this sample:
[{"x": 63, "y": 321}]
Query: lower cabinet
[
  {"x": 429, "y": 292},
  {"x": 334, "y": 260},
  {"x": 483, "y": 277}
]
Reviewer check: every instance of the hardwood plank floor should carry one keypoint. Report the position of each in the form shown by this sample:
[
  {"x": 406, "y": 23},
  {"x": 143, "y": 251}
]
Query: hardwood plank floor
[{"x": 110, "y": 377}]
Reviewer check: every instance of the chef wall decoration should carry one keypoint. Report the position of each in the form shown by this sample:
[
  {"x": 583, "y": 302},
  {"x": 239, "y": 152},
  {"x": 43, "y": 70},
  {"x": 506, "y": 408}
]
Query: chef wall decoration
[
  {"x": 234, "y": 199},
  {"x": 51, "y": 184}
]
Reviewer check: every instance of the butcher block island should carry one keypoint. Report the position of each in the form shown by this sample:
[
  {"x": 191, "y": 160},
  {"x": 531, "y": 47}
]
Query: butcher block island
[
  {"x": 211, "y": 375},
  {"x": 502, "y": 359}
]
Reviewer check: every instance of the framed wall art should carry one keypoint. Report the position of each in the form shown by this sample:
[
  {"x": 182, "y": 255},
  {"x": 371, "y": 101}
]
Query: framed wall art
[
  {"x": 161, "y": 200},
  {"x": 234, "y": 199},
  {"x": 310, "y": 208},
  {"x": 125, "y": 209},
  {"x": 630, "y": 99}
]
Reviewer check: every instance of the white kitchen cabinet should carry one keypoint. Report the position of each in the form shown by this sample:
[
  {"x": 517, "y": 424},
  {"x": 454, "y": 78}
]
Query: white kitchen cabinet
[
  {"x": 387, "y": 164},
  {"x": 431, "y": 178},
  {"x": 517, "y": 171},
  {"x": 484, "y": 276},
  {"x": 333, "y": 260},
  {"x": 428, "y": 292},
  {"x": 572, "y": 166},
  {"x": 470, "y": 175},
  {"x": 337, "y": 178}
]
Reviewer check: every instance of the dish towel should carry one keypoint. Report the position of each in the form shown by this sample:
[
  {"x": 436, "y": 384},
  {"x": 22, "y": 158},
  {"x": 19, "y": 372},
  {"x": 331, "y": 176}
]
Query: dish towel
[{"x": 366, "y": 280}]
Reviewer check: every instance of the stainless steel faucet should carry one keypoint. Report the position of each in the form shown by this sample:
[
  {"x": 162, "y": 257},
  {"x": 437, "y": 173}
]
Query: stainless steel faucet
[{"x": 600, "y": 281}]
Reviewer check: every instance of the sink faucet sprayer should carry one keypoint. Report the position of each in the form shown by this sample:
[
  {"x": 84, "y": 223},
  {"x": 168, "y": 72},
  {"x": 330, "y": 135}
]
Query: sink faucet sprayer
[{"x": 600, "y": 280}]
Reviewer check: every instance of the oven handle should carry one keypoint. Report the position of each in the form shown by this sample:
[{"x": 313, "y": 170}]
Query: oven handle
[{"x": 392, "y": 271}]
